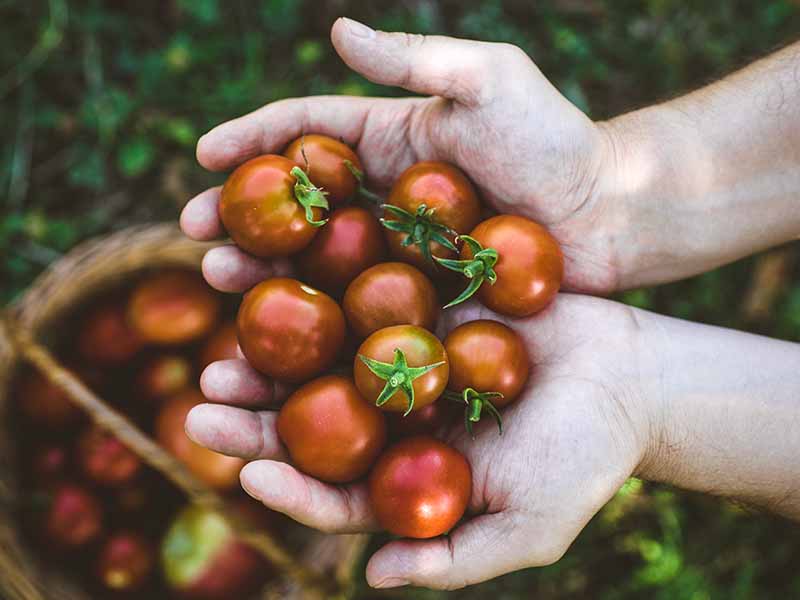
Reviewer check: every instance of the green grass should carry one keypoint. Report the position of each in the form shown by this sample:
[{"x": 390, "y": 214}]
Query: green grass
[{"x": 101, "y": 104}]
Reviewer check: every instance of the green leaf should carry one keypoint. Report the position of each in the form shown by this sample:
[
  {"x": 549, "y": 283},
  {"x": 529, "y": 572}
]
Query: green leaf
[{"x": 135, "y": 157}]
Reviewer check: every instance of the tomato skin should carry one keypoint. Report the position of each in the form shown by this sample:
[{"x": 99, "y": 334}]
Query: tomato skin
[
  {"x": 350, "y": 242},
  {"x": 390, "y": 294},
  {"x": 420, "y": 487},
  {"x": 331, "y": 432},
  {"x": 216, "y": 470},
  {"x": 259, "y": 209},
  {"x": 45, "y": 404},
  {"x": 172, "y": 308},
  {"x": 164, "y": 375},
  {"x": 487, "y": 356},
  {"x": 529, "y": 269},
  {"x": 222, "y": 345},
  {"x": 288, "y": 330},
  {"x": 420, "y": 347},
  {"x": 425, "y": 421},
  {"x": 125, "y": 562},
  {"x": 322, "y": 158},
  {"x": 105, "y": 337},
  {"x": 104, "y": 459},
  {"x": 440, "y": 186},
  {"x": 73, "y": 519}
]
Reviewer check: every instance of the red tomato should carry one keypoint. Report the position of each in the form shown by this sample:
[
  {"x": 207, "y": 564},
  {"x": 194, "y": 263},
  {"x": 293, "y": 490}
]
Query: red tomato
[
  {"x": 420, "y": 348},
  {"x": 488, "y": 357},
  {"x": 323, "y": 159},
  {"x": 217, "y": 470},
  {"x": 222, "y": 345},
  {"x": 390, "y": 294},
  {"x": 420, "y": 487},
  {"x": 164, "y": 375},
  {"x": 44, "y": 403},
  {"x": 105, "y": 337},
  {"x": 289, "y": 330},
  {"x": 425, "y": 421},
  {"x": 261, "y": 211},
  {"x": 104, "y": 459},
  {"x": 350, "y": 242},
  {"x": 444, "y": 189},
  {"x": 125, "y": 562},
  {"x": 173, "y": 307},
  {"x": 331, "y": 432},
  {"x": 74, "y": 517},
  {"x": 529, "y": 266}
]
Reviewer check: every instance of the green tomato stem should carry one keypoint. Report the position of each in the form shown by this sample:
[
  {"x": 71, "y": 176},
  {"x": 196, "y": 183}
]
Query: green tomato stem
[{"x": 309, "y": 196}]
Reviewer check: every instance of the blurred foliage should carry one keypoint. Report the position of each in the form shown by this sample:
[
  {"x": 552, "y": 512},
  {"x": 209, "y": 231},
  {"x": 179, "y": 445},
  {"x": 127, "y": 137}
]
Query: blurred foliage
[{"x": 101, "y": 104}]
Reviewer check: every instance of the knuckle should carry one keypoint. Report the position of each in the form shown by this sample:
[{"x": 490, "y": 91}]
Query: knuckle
[{"x": 412, "y": 41}]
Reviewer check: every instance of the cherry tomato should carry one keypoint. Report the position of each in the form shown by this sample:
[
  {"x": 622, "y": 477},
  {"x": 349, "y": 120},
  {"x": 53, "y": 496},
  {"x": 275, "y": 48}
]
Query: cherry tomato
[
  {"x": 419, "y": 348},
  {"x": 529, "y": 266},
  {"x": 74, "y": 517},
  {"x": 288, "y": 330},
  {"x": 446, "y": 191},
  {"x": 350, "y": 242},
  {"x": 217, "y": 470},
  {"x": 173, "y": 307},
  {"x": 489, "y": 357},
  {"x": 420, "y": 487},
  {"x": 104, "y": 459},
  {"x": 45, "y": 404},
  {"x": 105, "y": 337},
  {"x": 331, "y": 432},
  {"x": 425, "y": 421},
  {"x": 323, "y": 159},
  {"x": 390, "y": 294},
  {"x": 222, "y": 345},
  {"x": 164, "y": 375},
  {"x": 261, "y": 211},
  {"x": 125, "y": 562}
]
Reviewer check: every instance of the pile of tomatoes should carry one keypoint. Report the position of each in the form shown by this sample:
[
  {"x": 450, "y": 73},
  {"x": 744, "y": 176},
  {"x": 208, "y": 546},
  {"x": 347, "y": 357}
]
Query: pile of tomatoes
[
  {"x": 91, "y": 504},
  {"x": 374, "y": 276}
]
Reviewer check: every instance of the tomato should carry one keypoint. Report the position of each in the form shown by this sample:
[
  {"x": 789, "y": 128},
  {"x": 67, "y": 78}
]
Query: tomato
[
  {"x": 420, "y": 487},
  {"x": 488, "y": 364},
  {"x": 222, "y": 345},
  {"x": 323, "y": 159},
  {"x": 390, "y": 294},
  {"x": 73, "y": 519},
  {"x": 217, "y": 470},
  {"x": 288, "y": 330},
  {"x": 164, "y": 375},
  {"x": 173, "y": 307},
  {"x": 104, "y": 459},
  {"x": 125, "y": 562},
  {"x": 412, "y": 368},
  {"x": 427, "y": 420},
  {"x": 350, "y": 242},
  {"x": 525, "y": 259},
  {"x": 45, "y": 404},
  {"x": 105, "y": 337},
  {"x": 443, "y": 189},
  {"x": 263, "y": 211},
  {"x": 331, "y": 432}
]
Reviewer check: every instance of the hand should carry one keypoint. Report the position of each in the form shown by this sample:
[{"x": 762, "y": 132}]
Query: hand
[
  {"x": 491, "y": 112},
  {"x": 577, "y": 432}
]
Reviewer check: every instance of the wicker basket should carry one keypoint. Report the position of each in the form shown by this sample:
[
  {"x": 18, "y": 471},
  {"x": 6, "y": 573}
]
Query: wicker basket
[{"x": 89, "y": 270}]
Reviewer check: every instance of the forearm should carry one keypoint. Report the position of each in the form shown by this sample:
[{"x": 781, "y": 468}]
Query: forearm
[
  {"x": 726, "y": 414},
  {"x": 709, "y": 177}
]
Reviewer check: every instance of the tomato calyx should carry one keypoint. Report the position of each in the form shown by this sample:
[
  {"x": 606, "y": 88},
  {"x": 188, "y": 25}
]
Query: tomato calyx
[
  {"x": 420, "y": 228},
  {"x": 478, "y": 269},
  {"x": 398, "y": 376},
  {"x": 309, "y": 196},
  {"x": 476, "y": 403},
  {"x": 362, "y": 190}
]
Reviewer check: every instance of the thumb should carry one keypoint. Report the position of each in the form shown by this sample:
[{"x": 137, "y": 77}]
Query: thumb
[{"x": 461, "y": 70}]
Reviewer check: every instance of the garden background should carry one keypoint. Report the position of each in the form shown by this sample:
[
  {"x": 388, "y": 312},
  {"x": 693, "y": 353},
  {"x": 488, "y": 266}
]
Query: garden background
[{"x": 101, "y": 104}]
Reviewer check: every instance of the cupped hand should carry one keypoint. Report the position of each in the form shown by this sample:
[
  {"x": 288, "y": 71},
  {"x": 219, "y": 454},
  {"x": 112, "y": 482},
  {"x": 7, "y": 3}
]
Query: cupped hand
[
  {"x": 578, "y": 430},
  {"x": 489, "y": 110}
]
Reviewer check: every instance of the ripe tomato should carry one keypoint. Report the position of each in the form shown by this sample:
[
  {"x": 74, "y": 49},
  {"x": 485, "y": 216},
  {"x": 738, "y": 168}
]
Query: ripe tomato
[
  {"x": 408, "y": 375},
  {"x": 105, "y": 337},
  {"x": 125, "y": 562},
  {"x": 104, "y": 459},
  {"x": 288, "y": 330},
  {"x": 164, "y": 375},
  {"x": 443, "y": 189},
  {"x": 350, "y": 242},
  {"x": 265, "y": 212},
  {"x": 529, "y": 265},
  {"x": 74, "y": 517},
  {"x": 222, "y": 345},
  {"x": 323, "y": 159},
  {"x": 44, "y": 403},
  {"x": 331, "y": 432},
  {"x": 425, "y": 421},
  {"x": 420, "y": 487},
  {"x": 173, "y": 307},
  {"x": 217, "y": 470},
  {"x": 390, "y": 294}
]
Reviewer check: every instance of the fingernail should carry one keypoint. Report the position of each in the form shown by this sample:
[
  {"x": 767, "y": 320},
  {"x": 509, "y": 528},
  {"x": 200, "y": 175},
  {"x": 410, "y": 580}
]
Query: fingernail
[
  {"x": 358, "y": 29},
  {"x": 389, "y": 582}
]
